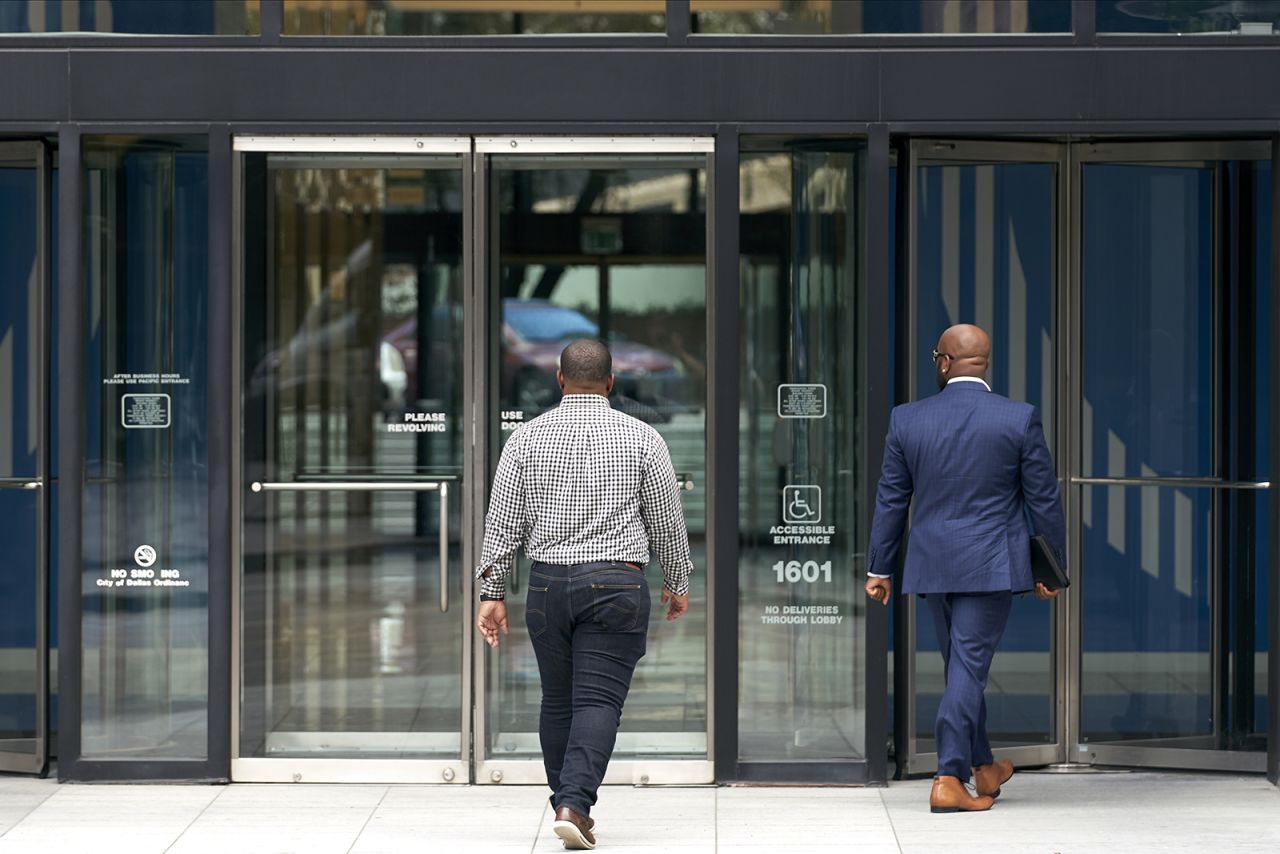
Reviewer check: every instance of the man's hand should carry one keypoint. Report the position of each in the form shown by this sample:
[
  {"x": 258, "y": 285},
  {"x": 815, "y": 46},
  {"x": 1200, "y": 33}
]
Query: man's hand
[
  {"x": 879, "y": 589},
  {"x": 1043, "y": 592},
  {"x": 491, "y": 620},
  {"x": 676, "y": 605}
]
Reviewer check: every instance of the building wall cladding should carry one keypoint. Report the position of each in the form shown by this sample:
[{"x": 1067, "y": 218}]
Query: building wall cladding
[{"x": 1129, "y": 89}]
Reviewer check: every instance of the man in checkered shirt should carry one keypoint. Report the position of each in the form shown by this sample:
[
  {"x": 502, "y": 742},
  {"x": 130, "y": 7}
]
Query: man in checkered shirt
[{"x": 588, "y": 492}]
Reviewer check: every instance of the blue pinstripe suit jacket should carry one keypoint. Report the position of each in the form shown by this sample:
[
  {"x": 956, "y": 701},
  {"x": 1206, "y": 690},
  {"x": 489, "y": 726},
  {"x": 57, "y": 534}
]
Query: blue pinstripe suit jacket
[{"x": 977, "y": 466}]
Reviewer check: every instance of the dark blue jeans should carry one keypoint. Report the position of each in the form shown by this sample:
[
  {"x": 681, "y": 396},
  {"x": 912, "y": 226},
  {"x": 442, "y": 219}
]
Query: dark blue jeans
[
  {"x": 969, "y": 626},
  {"x": 588, "y": 625}
]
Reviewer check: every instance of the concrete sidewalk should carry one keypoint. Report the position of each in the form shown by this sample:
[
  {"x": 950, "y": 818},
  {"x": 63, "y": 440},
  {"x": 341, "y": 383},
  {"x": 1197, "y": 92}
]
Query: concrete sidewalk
[{"x": 1037, "y": 813}]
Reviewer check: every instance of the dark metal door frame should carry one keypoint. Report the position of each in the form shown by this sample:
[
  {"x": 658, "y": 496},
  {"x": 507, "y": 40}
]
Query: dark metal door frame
[{"x": 36, "y": 155}]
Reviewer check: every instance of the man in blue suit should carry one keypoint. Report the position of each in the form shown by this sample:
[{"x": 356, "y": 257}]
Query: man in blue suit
[{"x": 976, "y": 465}]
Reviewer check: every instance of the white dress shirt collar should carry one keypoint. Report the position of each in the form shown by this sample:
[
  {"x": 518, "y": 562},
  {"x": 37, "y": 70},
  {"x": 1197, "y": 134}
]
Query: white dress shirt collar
[{"x": 969, "y": 380}]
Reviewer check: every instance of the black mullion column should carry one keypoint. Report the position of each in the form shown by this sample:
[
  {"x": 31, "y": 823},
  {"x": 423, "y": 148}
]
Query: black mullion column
[
  {"x": 903, "y": 649},
  {"x": 1084, "y": 22},
  {"x": 221, "y": 380},
  {"x": 1273, "y": 565},
  {"x": 70, "y": 402},
  {"x": 878, "y": 400},
  {"x": 271, "y": 21},
  {"x": 722, "y": 451},
  {"x": 677, "y": 22}
]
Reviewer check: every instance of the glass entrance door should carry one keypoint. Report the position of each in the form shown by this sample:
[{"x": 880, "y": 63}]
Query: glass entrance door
[
  {"x": 607, "y": 239},
  {"x": 1172, "y": 506},
  {"x": 380, "y": 376},
  {"x": 25, "y": 455},
  {"x": 1152, "y": 373},
  {"x": 354, "y": 597},
  {"x": 985, "y": 250}
]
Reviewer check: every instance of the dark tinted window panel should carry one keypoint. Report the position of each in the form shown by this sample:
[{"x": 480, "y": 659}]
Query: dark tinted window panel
[
  {"x": 1188, "y": 17},
  {"x": 906, "y": 17},
  {"x": 140, "y": 17}
]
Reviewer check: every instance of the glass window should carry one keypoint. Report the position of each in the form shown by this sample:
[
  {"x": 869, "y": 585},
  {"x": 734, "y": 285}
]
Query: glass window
[
  {"x": 471, "y": 17},
  {"x": 1147, "y": 320},
  {"x": 146, "y": 493},
  {"x": 1187, "y": 17},
  {"x": 142, "y": 17},
  {"x": 801, "y": 677},
  {"x": 840, "y": 17}
]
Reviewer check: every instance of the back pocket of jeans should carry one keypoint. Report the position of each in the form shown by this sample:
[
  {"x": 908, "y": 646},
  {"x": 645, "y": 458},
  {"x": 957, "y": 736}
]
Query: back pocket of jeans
[
  {"x": 535, "y": 611},
  {"x": 618, "y": 606}
]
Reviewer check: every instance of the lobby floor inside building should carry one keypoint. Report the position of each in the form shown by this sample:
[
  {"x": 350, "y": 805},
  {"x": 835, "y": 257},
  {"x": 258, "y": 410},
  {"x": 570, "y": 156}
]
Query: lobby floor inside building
[{"x": 1038, "y": 812}]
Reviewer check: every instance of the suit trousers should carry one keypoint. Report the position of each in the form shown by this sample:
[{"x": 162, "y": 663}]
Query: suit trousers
[
  {"x": 588, "y": 624},
  {"x": 969, "y": 627}
]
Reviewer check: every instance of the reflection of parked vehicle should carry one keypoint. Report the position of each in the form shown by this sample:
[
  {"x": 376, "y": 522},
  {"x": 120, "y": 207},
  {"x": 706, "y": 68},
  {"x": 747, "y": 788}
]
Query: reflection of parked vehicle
[
  {"x": 306, "y": 365},
  {"x": 533, "y": 334}
]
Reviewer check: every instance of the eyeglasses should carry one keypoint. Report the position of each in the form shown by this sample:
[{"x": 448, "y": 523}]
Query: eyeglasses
[{"x": 936, "y": 354}]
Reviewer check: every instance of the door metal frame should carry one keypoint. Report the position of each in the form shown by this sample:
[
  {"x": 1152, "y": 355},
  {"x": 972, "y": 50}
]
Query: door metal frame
[
  {"x": 1189, "y": 153},
  {"x": 531, "y": 771},
  {"x": 36, "y": 155},
  {"x": 329, "y": 148},
  {"x": 959, "y": 152}
]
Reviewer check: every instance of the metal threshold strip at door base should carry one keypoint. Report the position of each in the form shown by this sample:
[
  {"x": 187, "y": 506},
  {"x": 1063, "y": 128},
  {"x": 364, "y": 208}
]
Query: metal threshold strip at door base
[
  {"x": 281, "y": 770},
  {"x": 1022, "y": 756},
  {"x": 525, "y": 766},
  {"x": 625, "y": 772}
]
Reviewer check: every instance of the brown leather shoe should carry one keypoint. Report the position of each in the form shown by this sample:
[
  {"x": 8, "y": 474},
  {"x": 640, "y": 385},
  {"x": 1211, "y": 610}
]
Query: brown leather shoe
[
  {"x": 574, "y": 830},
  {"x": 988, "y": 779},
  {"x": 950, "y": 795},
  {"x": 591, "y": 822}
]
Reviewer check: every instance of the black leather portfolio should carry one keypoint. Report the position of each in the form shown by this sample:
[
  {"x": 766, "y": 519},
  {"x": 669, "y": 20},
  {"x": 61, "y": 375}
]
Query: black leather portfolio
[{"x": 1045, "y": 567}]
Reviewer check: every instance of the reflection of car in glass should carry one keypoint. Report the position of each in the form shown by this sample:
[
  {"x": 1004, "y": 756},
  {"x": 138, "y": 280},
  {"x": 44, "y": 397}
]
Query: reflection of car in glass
[
  {"x": 533, "y": 334},
  {"x": 307, "y": 364}
]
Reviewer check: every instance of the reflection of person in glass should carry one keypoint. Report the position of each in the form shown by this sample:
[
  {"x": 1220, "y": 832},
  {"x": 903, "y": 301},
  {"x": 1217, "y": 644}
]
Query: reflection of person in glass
[
  {"x": 975, "y": 465},
  {"x": 588, "y": 491}
]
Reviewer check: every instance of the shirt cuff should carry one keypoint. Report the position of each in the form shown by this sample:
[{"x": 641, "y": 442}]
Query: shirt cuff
[
  {"x": 677, "y": 584},
  {"x": 878, "y": 575},
  {"x": 495, "y": 584}
]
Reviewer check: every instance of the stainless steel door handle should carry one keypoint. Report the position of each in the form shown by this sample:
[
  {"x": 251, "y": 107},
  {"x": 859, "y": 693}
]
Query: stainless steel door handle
[
  {"x": 444, "y": 547},
  {"x": 382, "y": 486},
  {"x": 350, "y": 486}
]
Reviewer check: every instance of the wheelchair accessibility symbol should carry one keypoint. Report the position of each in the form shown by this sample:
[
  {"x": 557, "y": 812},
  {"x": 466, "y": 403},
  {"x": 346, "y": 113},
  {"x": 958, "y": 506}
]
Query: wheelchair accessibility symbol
[{"x": 802, "y": 505}]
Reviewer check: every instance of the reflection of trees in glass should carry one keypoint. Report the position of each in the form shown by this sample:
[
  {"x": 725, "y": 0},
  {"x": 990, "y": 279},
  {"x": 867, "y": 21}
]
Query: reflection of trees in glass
[{"x": 454, "y": 18}]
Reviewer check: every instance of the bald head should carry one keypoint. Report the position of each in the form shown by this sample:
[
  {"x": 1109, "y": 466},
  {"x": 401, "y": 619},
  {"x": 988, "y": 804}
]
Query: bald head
[
  {"x": 964, "y": 350},
  {"x": 586, "y": 367}
]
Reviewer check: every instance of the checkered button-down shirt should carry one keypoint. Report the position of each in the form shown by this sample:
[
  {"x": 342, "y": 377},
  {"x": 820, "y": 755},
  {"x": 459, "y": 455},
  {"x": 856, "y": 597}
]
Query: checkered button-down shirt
[{"x": 580, "y": 484}]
